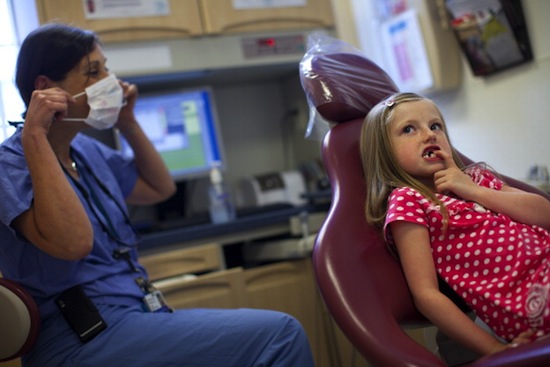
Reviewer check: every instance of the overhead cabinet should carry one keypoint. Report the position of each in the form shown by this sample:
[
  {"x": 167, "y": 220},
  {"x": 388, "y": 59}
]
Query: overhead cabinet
[
  {"x": 187, "y": 18},
  {"x": 223, "y": 16},
  {"x": 182, "y": 20}
]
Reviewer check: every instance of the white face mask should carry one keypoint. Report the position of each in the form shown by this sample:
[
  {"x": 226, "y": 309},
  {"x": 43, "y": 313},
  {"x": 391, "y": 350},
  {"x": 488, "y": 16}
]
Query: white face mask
[{"x": 105, "y": 99}]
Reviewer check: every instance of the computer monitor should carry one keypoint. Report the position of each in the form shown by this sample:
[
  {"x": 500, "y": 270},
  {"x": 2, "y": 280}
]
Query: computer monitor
[{"x": 183, "y": 127}]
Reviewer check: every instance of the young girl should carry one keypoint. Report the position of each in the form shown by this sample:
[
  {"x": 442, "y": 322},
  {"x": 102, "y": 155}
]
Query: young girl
[{"x": 487, "y": 240}]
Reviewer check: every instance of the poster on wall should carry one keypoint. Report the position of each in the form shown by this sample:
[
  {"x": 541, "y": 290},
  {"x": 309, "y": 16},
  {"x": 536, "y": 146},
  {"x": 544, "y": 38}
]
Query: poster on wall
[
  {"x": 105, "y": 9},
  {"x": 405, "y": 52},
  {"x": 492, "y": 33}
]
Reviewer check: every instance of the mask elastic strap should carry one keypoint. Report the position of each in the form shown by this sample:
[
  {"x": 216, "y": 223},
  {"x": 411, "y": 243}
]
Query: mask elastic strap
[{"x": 78, "y": 119}]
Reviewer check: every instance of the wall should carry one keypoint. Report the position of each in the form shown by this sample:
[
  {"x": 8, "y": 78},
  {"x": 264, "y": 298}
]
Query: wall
[{"x": 502, "y": 119}]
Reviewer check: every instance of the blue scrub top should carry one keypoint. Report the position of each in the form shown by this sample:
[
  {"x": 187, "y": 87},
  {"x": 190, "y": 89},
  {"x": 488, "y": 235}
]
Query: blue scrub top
[{"x": 105, "y": 279}]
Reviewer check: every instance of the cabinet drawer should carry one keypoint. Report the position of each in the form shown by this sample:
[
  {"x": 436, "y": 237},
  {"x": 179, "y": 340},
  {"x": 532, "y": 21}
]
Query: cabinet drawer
[
  {"x": 222, "y": 289},
  {"x": 183, "y": 21},
  {"x": 220, "y": 16},
  {"x": 185, "y": 261}
]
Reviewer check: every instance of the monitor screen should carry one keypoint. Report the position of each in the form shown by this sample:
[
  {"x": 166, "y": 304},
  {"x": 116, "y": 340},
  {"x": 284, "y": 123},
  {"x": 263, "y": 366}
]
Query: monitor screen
[{"x": 182, "y": 125}]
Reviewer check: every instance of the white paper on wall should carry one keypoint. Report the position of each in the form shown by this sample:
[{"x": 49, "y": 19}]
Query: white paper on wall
[
  {"x": 104, "y": 9},
  {"x": 258, "y": 4}
]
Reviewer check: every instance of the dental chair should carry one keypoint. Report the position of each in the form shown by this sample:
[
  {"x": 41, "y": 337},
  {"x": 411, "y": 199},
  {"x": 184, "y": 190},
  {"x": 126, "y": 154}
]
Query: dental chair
[
  {"x": 19, "y": 320},
  {"x": 361, "y": 283}
]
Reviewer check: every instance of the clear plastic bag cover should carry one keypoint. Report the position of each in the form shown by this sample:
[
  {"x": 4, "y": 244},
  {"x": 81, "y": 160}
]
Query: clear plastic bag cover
[{"x": 340, "y": 83}]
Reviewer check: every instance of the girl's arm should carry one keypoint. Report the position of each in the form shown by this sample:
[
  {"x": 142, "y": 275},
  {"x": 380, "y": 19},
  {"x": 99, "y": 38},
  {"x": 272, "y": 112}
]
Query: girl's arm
[
  {"x": 154, "y": 182},
  {"x": 413, "y": 246},
  {"x": 521, "y": 206}
]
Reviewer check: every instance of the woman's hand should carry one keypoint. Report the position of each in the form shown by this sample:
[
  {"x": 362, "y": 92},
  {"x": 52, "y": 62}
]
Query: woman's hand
[
  {"x": 154, "y": 183},
  {"x": 126, "y": 117},
  {"x": 45, "y": 106}
]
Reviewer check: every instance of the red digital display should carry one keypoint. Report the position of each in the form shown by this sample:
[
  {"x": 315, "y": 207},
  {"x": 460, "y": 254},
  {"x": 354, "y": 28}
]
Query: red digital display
[{"x": 266, "y": 42}]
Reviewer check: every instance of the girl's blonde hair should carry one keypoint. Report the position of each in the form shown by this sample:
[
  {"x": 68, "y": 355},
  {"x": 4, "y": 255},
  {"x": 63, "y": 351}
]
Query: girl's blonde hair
[{"x": 381, "y": 169}]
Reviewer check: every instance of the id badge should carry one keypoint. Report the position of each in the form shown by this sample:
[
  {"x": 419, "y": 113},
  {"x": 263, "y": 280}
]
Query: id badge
[{"x": 155, "y": 302}]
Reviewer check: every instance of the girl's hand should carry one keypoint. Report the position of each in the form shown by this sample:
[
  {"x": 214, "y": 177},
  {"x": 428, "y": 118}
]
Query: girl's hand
[
  {"x": 452, "y": 179},
  {"x": 525, "y": 337}
]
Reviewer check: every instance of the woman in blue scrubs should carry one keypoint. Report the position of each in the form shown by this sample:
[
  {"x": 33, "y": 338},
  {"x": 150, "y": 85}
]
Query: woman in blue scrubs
[{"x": 66, "y": 236}]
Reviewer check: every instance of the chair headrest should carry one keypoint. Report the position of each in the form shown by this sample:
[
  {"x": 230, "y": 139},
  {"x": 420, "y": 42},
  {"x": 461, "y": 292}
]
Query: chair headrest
[{"x": 344, "y": 86}]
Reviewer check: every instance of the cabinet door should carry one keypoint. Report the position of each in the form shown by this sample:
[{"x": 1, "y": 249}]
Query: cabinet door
[
  {"x": 289, "y": 287},
  {"x": 220, "y": 16},
  {"x": 12, "y": 363},
  {"x": 346, "y": 354},
  {"x": 184, "y": 261},
  {"x": 183, "y": 21},
  {"x": 222, "y": 289}
]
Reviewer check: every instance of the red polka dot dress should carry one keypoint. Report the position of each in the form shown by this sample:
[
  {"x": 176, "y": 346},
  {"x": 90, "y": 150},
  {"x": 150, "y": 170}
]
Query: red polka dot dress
[{"x": 500, "y": 267}]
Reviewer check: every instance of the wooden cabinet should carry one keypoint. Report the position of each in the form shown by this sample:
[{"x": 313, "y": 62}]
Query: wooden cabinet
[
  {"x": 221, "y": 289},
  {"x": 193, "y": 260},
  {"x": 286, "y": 286},
  {"x": 13, "y": 363},
  {"x": 289, "y": 287},
  {"x": 184, "y": 20},
  {"x": 189, "y": 18},
  {"x": 343, "y": 353},
  {"x": 221, "y": 16}
]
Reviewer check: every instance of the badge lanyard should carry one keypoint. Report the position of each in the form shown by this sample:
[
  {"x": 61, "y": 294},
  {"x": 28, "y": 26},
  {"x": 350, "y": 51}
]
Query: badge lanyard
[
  {"x": 94, "y": 202},
  {"x": 153, "y": 299}
]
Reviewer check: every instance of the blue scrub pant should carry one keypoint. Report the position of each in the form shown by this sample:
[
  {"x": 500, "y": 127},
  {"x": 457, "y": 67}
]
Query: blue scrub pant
[{"x": 189, "y": 337}]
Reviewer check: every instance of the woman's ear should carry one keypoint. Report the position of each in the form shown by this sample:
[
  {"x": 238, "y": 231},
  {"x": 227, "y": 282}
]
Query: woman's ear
[{"x": 42, "y": 82}]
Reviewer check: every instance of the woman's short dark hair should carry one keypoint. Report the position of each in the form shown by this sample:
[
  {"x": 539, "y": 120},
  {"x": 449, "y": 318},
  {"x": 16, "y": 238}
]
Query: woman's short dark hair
[{"x": 51, "y": 50}]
